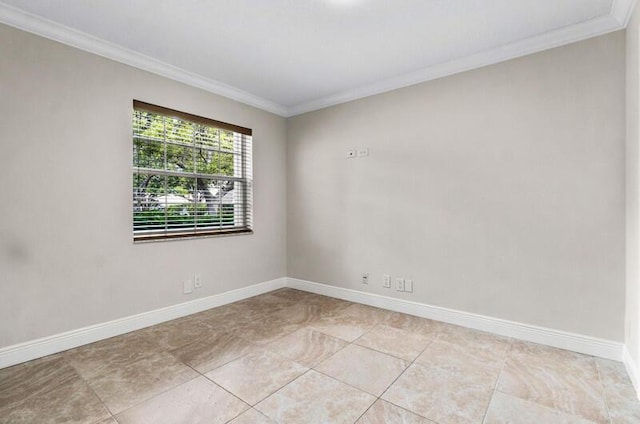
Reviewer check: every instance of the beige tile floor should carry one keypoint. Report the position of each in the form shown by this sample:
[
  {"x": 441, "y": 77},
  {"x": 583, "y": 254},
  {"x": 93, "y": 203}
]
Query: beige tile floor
[{"x": 295, "y": 357}]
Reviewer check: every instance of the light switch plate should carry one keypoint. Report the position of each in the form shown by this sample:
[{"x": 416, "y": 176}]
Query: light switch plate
[
  {"x": 399, "y": 284},
  {"x": 386, "y": 281},
  {"x": 408, "y": 286},
  {"x": 187, "y": 287}
]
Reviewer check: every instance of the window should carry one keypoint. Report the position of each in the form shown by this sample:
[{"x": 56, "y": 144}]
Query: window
[{"x": 191, "y": 175}]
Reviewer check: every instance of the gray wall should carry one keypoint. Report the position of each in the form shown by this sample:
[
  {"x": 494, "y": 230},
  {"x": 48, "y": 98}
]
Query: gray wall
[
  {"x": 632, "y": 327},
  {"x": 67, "y": 259},
  {"x": 499, "y": 191}
]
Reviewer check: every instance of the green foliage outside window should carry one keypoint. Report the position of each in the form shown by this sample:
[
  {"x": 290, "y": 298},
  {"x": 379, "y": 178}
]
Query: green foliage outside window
[{"x": 171, "y": 144}]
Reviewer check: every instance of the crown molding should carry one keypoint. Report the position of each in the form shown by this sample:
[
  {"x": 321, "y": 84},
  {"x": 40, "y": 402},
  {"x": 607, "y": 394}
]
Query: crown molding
[
  {"x": 546, "y": 41},
  {"x": 61, "y": 33},
  {"x": 621, "y": 11},
  {"x": 617, "y": 19}
]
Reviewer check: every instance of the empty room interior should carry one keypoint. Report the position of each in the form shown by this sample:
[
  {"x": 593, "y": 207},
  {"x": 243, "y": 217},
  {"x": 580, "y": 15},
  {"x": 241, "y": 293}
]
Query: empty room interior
[{"x": 320, "y": 211}]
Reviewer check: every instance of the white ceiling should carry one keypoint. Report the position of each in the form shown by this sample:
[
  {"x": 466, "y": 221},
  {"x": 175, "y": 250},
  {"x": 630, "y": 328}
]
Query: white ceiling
[{"x": 293, "y": 56}]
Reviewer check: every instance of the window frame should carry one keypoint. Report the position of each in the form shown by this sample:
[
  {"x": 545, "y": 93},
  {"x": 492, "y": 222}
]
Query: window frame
[{"x": 245, "y": 180}]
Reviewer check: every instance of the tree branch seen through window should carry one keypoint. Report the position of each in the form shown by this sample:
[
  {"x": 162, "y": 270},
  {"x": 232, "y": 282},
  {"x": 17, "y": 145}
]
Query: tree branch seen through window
[{"x": 190, "y": 176}]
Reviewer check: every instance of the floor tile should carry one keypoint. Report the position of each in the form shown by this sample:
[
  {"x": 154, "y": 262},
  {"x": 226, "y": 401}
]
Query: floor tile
[
  {"x": 467, "y": 350},
  {"x": 364, "y": 312},
  {"x": 623, "y": 410},
  {"x": 177, "y": 333},
  {"x": 385, "y": 413},
  {"x": 99, "y": 358},
  {"x": 72, "y": 402},
  {"x": 252, "y": 416},
  {"x": 219, "y": 317},
  {"x": 347, "y": 329},
  {"x": 363, "y": 368},
  {"x": 32, "y": 378},
  {"x": 615, "y": 379},
  {"x": 306, "y": 346},
  {"x": 265, "y": 303},
  {"x": 547, "y": 357},
  {"x": 256, "y": 375},
  {"x": 300, "y": 313},
  {"x": 396, "y": 342},
  {"x": 491, "y": 346},
  {"x": 351, "y": 322},
  {"x": 555, "y": 378},
  {"x": 316, "y": 399},
  {"x": 612, "y": 372},
  {"x": 196, "y": 401},
  {"x": 441, "y": 395},
  {"x": 414, "y": 324},
  {"x": 140, "y": 380},
  {"x": 620, "y": 396},
  {"x": 205, "y": 355},
  {"x": 259, "y": 349},
  {"x": 506, "y": 409},
  {"x": 293, "y": 294},
  {"x": 328, "y": 304},
  {"x": 265, "y": 330}
]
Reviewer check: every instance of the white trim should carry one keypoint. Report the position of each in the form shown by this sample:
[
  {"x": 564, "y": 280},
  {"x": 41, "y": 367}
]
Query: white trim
[
  {"x": 27, "y": 351},
  {"x": 617, "y": 19},
  {"x": 34, "y": 349},
  {"x": 549, "y": 40},
  {"x": 632, "y": 370},
  {"x": 55, "y": 31},
  {"x": 622, "y": 10},
  {"x": 560, "y": 339}
]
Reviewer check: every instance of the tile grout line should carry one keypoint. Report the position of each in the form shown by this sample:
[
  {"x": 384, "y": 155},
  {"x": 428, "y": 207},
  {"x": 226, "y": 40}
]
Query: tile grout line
[
  {"x": 571, "y": 413},
  {"x": 400, "y": 375},
  {"x": 276, "y": 391},
  {"x": 264, "y": 348},
  {"x": 234, "y": 395},
  {"x": 353, "y": 343},
  {"x": 158, "y": 350},
  {"x": 604, "y": 391},
  {"x": 347, "y": 344},
  {"x": 295, "y": 379},
  {"x": 111, "y": 414},
  {"x": 56, "y": 385},
  {"x": 161, "y": 350},
  {"x": 436, "y": 335},
  {"x": 497, "y": 382},
  {"x": 219, "y": 386}
]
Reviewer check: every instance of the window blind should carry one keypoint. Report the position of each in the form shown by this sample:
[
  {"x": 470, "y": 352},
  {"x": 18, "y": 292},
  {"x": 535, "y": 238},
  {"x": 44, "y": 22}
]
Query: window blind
[{"x": 192, "y": 176}]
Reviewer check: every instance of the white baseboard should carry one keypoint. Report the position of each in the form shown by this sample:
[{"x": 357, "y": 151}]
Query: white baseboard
[
  {"x": 38, "y": 348},
  {"x": 34, "y": 349},
  {"x": 632, "y": 370},
  {"x": 560, "y": 339}
]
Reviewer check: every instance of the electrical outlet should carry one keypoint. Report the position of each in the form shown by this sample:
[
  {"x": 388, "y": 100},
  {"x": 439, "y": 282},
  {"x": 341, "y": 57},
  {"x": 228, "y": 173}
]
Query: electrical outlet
[
  {"x": 386, "y": 281},
  {"x": 197, "y": 281},
  {"x": 408, "y": 286},
  {"x": 365, "y": 278},
  {"x": 187, "y": 287},
  {"x": 399, "y": 284}
]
